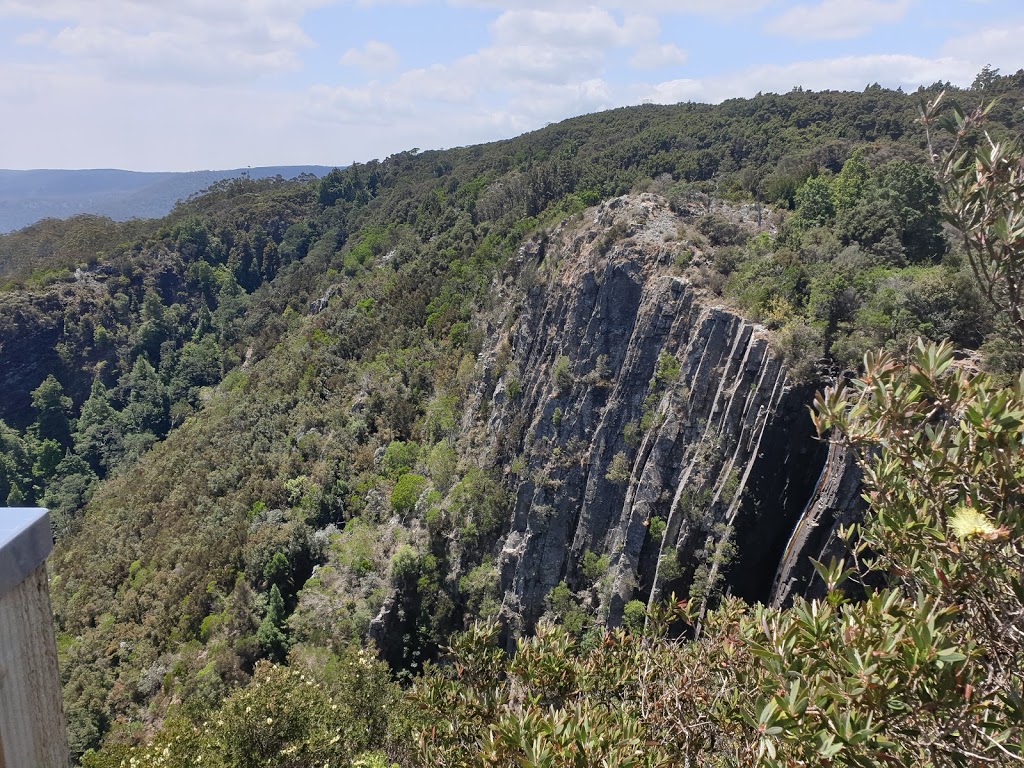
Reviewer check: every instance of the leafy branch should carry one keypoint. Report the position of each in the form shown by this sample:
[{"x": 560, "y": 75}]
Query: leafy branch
[{"x": 982, "y": 184}]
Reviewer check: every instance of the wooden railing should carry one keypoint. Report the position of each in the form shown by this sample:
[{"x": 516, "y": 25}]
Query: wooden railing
[{"x": 33, "y": 733}]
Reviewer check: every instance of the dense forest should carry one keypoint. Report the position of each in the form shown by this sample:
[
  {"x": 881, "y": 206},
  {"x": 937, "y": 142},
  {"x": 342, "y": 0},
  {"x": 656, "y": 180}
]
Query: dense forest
[{"x": 277, "y": 434}]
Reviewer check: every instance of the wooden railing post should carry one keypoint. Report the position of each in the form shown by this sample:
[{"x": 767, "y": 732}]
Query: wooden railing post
[{"x": 33, "y": 732}]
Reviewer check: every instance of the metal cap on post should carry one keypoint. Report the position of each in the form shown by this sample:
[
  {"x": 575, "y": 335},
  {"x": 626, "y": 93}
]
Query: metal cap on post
[
  {"x": 25, "y": 543},
  {"x": 33, "y": 731}
]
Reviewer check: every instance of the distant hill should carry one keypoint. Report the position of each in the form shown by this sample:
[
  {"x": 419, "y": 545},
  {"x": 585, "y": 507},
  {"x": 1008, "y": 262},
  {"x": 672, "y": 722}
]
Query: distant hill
[{"x": 28, "y": 196}]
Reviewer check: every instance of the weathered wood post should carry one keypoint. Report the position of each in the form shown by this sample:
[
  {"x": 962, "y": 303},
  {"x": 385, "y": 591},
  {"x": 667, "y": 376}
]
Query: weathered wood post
[{"x": 33, "y": 733}]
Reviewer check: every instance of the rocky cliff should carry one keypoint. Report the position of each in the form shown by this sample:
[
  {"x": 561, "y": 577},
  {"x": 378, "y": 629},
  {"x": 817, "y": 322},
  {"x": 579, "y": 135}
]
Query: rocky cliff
[
  {"x": 652, "y": 438},
  {"x": 42, "y": 332}
]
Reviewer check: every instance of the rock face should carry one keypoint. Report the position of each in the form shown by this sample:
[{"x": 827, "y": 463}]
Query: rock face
[
  {"x": 56, "y": 329},
  {"x": 836, "y": 502},
  {"x": 647, "y": 424}
]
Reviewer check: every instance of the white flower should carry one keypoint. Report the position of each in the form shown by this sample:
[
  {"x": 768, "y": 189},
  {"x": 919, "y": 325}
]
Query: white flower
[{"x": 968, "y": 521}]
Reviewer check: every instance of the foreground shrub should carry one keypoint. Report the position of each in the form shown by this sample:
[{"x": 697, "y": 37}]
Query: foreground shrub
[{"x": 287, "y": 717}]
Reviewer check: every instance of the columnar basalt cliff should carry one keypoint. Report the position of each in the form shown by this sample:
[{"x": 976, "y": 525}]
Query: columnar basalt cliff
[{"x": 642, "y": 421}]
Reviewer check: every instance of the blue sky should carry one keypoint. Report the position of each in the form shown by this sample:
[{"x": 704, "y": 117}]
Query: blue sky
[{"x": 192, "y": 84}]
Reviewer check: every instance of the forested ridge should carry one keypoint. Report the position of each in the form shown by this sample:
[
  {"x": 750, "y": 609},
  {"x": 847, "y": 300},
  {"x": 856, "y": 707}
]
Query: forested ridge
[
  {"x": 257, "y": 424},
  {"x": 27, "y": 197}
]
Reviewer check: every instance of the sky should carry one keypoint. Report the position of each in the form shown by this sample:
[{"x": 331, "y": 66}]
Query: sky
[{"x": 177, "y": 85}]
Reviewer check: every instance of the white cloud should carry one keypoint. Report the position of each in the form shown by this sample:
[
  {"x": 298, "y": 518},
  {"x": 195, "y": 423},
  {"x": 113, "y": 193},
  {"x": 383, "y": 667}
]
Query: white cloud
[
  {"x": 528, "y": 49},
  {"x": 841, "y": 73},
  {"x": 76, "y": 120},
  {"x": 356, "y": 106},
  {"x": 375, "y": 56},
  {"x": 530, "y": 82},
  {"x": 832, "y": 19},
  {"x": 658, "y": 56},
  {"x": 542, "y": 66},
  {"x": 722, "y": 9},
  {"x": 438, "y": 83},
  {"x": 395, "y": 123},
  {"x": 501, "y": 66},
  {"x": 34, "y": 37},
  {"x": 588, "y": 28},
  {"x": 675, "y": 91},
  {"x": 998, "y": 46},
  {"x": 185, "y": 40}
]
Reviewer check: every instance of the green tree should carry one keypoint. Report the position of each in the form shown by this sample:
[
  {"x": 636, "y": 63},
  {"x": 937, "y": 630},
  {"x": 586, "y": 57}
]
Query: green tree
[
  {"x": 851, "y": 183},
  {"x": 319, "y": 710},
  {"x": 634, "y": 614},
  {"x": 563, "y": 375},
  {"x": 873, "y": 225},
  {"x": 986, "y": 78},
  {"x": 98, "y": 432},
  {"x": 271, "y": 635},
  {"x": 407, "y": 492},
  {"x": 145, "y": 398},
  {"x": 152, "y": 331},
  {"x": 68, "y": 488},
  {"x": 192, "y": 238},
  {"x": 618, "y": 469},
  {"x": 913, "y": 193},
  {"x": 594, "y": 566},
  {"x": 399, "y": 458},
  {"x": 442, "y": 462},
  {"x": 52, "y": 409},
  {"x": 15, "y": 467},
  {"x": 198, "y": 365},
  {"x": 16, "y": 497},
  {"x": 277, "y": 571},
  {"x": 814, "y": 205}
]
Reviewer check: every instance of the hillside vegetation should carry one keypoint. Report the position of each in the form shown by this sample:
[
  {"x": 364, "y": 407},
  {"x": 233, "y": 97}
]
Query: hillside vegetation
[{"x": 257, "y": 423}]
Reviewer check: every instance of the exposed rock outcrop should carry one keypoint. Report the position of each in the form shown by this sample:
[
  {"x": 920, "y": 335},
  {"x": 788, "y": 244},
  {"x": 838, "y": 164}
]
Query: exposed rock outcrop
[
  {"x": 836, "y": 502},
  {"x": 645, "y": 422},
  {"x": 30, "y": 331}
]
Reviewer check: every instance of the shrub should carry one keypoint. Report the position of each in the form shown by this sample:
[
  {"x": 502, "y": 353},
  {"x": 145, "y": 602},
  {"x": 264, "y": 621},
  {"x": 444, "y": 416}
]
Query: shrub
[
  {"x": 407, "y": 492},
  {"x": 556, "y": 417},
  {"x": 618, "y": 470},
  {"x": 405, "y": 564},
  {"x": 802, "y": 346},
  {"x": 288, "y": 717},
  {"x": 399, "y": 458},
  {"x": 594, "y": 566},
  {"x": 634, "y": 614},
  {"x": 562, "y": 372}
]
